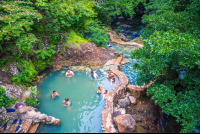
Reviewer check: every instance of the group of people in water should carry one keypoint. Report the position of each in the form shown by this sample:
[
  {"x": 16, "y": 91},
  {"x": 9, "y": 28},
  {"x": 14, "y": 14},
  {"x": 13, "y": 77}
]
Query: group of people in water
[{"x": 110, "y": 76}]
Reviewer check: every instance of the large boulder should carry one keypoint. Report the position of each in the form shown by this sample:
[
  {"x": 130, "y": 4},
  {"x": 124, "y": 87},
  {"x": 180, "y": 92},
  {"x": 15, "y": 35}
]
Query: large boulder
[
  {"x": 132, "y": 99},
  {"x": 124, "y": 102},
  {"x": 125, "y": 123}
]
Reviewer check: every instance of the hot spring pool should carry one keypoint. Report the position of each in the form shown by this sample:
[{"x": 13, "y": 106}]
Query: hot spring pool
[{"x": 84, "y": 116}]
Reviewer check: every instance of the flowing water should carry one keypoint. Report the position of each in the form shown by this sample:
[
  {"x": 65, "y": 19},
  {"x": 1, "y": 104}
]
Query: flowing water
[{"x": 84, "y": 116}]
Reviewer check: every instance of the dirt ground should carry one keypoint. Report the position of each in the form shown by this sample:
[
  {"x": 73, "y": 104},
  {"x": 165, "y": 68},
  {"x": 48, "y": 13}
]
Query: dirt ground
[
  {"x": 145, "y": 113},
  {"x": 89, "y": 55}
]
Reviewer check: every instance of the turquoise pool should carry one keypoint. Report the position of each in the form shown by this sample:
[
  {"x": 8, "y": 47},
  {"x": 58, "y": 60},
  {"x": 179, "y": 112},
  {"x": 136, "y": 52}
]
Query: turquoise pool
[{"x": 84, "y": 116}]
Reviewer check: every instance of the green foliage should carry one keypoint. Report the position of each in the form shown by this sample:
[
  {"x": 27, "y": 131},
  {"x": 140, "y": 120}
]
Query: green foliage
[
  {"x": 4, "y": 100},
  {"x": 117, "y": 31},
  {"x": 63, "y": 15},
  {"x": 16, "y": 18},
  {"x": 98, "y": 33},
  {"x": 117, "y": 54},
  {"x": 116, "y": 7},
  {"x": 164, "y": 56},
  {"x": 32, "y": 101},
  {"x": 75, "y": 38},
  {"x": 25, "y": 43},
  {"x": 172, "y": 15},
  {"x": 27, "y": 73},
  {"x": 47, "y": 53},
  {"x": 2, "y": 62},
  {"x": 171, "y": 48}
]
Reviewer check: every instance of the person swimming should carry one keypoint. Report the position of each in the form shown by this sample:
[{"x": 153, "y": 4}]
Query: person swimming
[
  {"x": 54, "y": 94},
  {"x": 67, "y": 102},
  {"x": 113, "y": 80},
  {"x": 110, "y": 75},
  {"x": 105, "y": 93},
  {"x": 69, "y": 73},
  {"x": 93, "y": 75},
  {"x": 99, "y": 90},
  {"x": 109, "y": 46}
]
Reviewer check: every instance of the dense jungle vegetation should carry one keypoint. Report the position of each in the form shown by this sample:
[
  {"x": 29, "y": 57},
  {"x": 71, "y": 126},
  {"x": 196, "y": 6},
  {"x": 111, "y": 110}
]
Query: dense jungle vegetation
[{"x": 170, "y": 56}]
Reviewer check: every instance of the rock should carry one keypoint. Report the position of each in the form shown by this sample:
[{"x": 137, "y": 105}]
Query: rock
[
  {"x": 120, "y": 18},
  {"x": 132, "y": 99},
  {"x": 36, "y": 120},
  {"x": 32, "y": 113},
  {"x": 49, "y": 118},
  {"x": 26, "y": 116},
  {"x": 37, "y": 114},
  {"x": 24, "y": 109},
  {"x": 27, "y": 94},
  {"x": 4, "y": 78},
  {"x": 12, "y": 69},
  {"x": 119, "y": 111},
  {"x": 124, "y": 102},
  {"x": 107, "y": 67},
  {"x": 126, "y": 26},
  {"x": 12, "y": 92},
  {"x": 42, "y": 117},
  {"x": 125, "y": 123},
  {"x": 118, "y": 23},
  {"x": 2, "y": 109},
  {"x": 56, "y": 122}
]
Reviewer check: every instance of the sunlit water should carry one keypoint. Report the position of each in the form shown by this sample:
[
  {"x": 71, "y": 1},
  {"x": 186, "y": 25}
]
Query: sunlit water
[
  {"x": 84, "y": 116},
  {"x": 127, "y": 69}
]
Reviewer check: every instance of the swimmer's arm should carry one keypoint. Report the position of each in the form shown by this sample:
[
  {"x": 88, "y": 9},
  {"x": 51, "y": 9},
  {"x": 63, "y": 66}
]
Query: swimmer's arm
[
  {"x": 53, "y": 96},
  {"x": 57, "y": 94}
]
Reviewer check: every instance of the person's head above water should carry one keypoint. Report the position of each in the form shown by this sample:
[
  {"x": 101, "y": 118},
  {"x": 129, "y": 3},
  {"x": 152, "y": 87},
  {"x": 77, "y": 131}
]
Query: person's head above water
[
  {"x": 106, "y": 91},
  {"x": 92, "y": 72},
  {"x": 54, "y": 92},
  {"x": 66, "y": 99},
  {"x": 99, "y": 87}
]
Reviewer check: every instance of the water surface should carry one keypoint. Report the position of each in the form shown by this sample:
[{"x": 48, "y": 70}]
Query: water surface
[{"x": 84, "y": 116}]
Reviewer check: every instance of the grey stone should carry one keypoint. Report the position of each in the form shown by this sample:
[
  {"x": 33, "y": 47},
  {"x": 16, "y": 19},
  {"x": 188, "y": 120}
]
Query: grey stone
[
  {"x": 1, "y": 109},
  {"x": 49, "y": 118},
  {"x": 36, "y": 120},
  {"x": 42, "y": 117},
  {"x": 124, "y": 102}
]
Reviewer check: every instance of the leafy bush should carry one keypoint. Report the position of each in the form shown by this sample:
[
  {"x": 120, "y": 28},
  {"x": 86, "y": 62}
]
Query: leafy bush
[
  {"x": 32, "y": 101},
  {"x": 4, "y": 100},
  {"x": 2, "y": 62},
  {"x": 99, "y": 35},
  {"x": 27, "y": 74},
  {"x": 117, "y": 31},
  {"x": 75, "y": 38},
  {"x": 47, "y": 53}
]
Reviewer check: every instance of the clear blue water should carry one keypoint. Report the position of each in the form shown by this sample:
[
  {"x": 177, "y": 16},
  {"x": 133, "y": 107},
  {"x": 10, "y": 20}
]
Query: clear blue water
[
  {"x": 127, "y": 69},
  {"x": 84, "y": 116}
]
